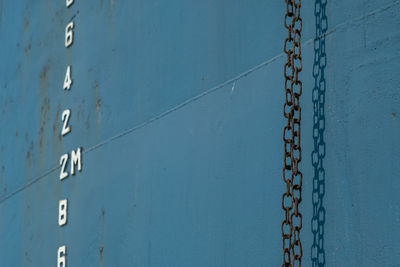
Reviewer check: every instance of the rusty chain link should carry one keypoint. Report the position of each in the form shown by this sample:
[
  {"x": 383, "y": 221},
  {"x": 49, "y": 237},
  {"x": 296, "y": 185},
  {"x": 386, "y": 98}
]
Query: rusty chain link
[{"x": 292, "y": 223}]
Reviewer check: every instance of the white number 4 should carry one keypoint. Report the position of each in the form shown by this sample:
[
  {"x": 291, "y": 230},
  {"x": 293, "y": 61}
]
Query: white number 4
[
  {"x": 68, "y": 3},
  {"x": 67, "y": 80}
]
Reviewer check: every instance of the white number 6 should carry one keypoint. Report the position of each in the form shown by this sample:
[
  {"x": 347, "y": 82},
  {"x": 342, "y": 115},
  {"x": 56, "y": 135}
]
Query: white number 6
[
  {"x": 61, "y": 262},
  {"x": 69, "y": 34}
]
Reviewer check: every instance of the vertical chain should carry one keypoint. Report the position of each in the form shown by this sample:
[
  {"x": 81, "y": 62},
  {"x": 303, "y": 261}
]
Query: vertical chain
[{"x": 292, "y": 223}]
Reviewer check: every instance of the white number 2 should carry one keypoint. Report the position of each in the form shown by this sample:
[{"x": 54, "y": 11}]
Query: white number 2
[
  {"x": 61, "y": 261},
  {"x": 76, "y": 160},
  {"x": 65, "y": 118},
  {"x": 67, "y": 80},
  {"x": 69, "y": 34},
  {"x": 63, "y": 163}
]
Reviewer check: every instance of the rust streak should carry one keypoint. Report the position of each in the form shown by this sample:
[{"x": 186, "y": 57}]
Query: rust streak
[{"x": 45, "y": 107}]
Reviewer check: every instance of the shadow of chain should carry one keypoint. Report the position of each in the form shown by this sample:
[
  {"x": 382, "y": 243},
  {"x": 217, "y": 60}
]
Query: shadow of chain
[{"x": 318, "y": 154}]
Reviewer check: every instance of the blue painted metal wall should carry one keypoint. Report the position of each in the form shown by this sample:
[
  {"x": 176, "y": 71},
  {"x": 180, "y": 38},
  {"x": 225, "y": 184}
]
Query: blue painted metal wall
[{"x": 178, "y": 106}]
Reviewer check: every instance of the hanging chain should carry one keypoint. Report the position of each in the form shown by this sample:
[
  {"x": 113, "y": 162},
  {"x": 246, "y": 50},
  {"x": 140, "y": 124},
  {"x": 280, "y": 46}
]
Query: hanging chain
[{"x": 292, "y": 223}]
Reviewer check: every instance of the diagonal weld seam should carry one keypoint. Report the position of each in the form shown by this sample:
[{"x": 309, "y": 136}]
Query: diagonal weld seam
[
  {"x": 195, "y": 98},
  {"x": 28, "y": 184}
]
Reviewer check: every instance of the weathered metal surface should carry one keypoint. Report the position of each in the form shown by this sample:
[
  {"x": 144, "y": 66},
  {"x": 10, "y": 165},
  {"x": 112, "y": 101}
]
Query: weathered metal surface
[{"x": 170, "y": 179}]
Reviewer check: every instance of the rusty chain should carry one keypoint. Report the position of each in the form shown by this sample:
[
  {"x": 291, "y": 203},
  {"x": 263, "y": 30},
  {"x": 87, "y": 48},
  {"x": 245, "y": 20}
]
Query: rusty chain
[{"x": 292, "y": 223}]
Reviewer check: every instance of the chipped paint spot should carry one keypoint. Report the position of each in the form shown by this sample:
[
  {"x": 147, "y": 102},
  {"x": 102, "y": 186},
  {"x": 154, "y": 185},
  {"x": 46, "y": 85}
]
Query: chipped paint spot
[
  {"x": 98, "y": 105},
  {"x": 97, "y": 100},
  {"x": 101, "y": 248},
  {"x": 28, "y": 48},
  {"x": 43, "y": 74},
  {"x": 57, "y": 138},
  {"x": 88, "y": 122}
]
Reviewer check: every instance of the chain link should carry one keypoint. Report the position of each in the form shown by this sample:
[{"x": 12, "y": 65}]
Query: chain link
[{"x": 292, "y": 222}]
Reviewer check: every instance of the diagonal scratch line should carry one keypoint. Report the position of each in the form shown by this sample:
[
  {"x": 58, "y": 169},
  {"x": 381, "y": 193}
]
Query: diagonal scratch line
[
  {"x": 181, "y": 105},
  {"x": 37, "y": 179},
  {"x": 356, "y": 19},
  {"x": 151, "y": 120},
  {"x": 233, "y": 80},
  {"x": 195, "y": 98}
]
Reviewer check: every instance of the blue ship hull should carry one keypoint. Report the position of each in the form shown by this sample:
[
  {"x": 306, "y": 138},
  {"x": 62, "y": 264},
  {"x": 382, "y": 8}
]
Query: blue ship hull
[{"x": 177, "y": 107}]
